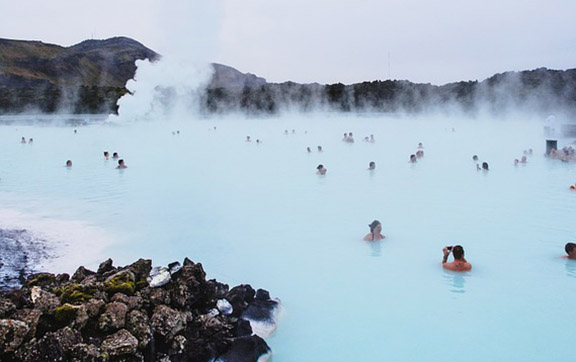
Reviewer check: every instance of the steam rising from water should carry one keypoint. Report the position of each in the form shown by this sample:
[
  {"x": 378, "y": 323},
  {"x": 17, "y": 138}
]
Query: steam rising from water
[{"x": 170, "y": 87}]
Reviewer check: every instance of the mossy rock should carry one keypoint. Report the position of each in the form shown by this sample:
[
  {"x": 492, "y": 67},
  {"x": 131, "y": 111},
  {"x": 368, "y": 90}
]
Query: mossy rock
[
  {"x": 66, "y": 313},
  {"x": 122, "y": 282},
  {"x": 75, "y": 293},
  {"x": 40, "y": 279},
  {"x": 141, "y": 284}
]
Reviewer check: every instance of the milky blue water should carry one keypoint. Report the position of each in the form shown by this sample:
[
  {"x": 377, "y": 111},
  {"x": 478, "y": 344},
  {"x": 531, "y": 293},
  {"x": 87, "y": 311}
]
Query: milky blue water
[{"x": 258, "y": 214}]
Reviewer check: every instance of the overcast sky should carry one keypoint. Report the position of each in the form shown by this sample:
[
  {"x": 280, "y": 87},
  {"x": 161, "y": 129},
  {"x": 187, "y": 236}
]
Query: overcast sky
[{"x": 325, "y": 41}]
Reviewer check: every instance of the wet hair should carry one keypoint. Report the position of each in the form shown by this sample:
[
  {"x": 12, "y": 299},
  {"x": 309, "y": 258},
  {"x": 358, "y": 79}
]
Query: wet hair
[
  {"x": 458, "y": 252},
  {"x": 569, "y": 247},
  {"x": 373, "y": 225},
  {"x": 120, "y": 161},
  {"x": 475, "y": 158},
  {"x": 319, "y": 167},
  {"x": 485, "y": 166},
  {"x": 372, "y": 163}
]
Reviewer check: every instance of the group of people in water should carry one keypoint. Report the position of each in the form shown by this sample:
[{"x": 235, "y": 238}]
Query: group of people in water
[
  {"x": 419, "y": 154},
  {"x": 566, "y": 154},
  {"x": 460, "y": 264},
  {"x": 115, "y": 156}
]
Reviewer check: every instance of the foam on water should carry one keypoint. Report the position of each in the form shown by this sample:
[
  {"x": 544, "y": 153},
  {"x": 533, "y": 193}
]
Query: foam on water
[{"x": 258, "y": 214}]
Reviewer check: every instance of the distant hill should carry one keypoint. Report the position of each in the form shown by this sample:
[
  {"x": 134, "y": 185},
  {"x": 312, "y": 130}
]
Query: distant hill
[
  {"x": 107, "y": 63},
  {"x": 91, "y": 76}
]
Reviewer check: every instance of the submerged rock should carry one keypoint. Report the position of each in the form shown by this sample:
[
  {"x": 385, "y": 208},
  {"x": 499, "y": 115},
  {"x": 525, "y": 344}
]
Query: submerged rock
[
  {"x": 247, "y": 349},
  {"x": 263, "y": 316}
]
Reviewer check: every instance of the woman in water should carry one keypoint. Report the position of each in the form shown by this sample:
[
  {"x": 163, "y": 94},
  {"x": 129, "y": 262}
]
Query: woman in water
[{"x": 375, "y": 231}]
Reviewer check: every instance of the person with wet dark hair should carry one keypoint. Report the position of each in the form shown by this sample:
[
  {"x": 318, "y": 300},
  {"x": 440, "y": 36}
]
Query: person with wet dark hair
[
  {"x": 121, "y": 164},
  {"x": 412, "y": 158},
  {"x": 484, "y": 166},
  {"x": 321, "y": 170},
  {"x": 106, "y": 155},
  {"x": 69, "y": 163},
  {"x": 375, "y": 231},
  {"x": 459, "y": 264},
  {"x": 115, "y": 155},
  {"x": 372, "y": 166},
  {"x": 475, "y": 158},
  {"x": 319, "y": 148},
  {"x": 570, "y": 249}
]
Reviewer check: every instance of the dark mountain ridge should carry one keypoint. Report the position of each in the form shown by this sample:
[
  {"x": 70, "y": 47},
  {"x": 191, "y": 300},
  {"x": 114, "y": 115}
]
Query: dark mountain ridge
[{"x": 91, "y": 76}]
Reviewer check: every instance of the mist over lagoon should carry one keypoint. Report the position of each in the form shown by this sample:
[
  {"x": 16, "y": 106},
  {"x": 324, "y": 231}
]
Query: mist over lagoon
[{"x": 258, "y": 213}]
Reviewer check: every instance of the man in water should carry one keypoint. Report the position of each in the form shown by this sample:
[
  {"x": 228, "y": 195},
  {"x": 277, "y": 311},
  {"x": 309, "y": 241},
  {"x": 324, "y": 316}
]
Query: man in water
[
  {"x": 320, "y": 170},
  {"x": 459, "y": 264},
  {"x": 372, "y": 165},
  {"x": 121, "y": 164},
  {"x": 570, "y": 250}
]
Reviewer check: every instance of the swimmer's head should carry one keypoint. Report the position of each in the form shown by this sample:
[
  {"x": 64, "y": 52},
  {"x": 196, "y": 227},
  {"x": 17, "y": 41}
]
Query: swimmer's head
[
  {"x": 569, "y": 248},
  {"x": 319, "y": 167},
  {"x": 373, "y": 225},
  {"x": 458, "y": 252},
  {"x": 475, "y": 158}
]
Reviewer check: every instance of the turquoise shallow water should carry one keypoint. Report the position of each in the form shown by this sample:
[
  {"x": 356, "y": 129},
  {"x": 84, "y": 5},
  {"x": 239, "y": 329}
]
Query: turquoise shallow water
[{"x": 258, "y": 214}]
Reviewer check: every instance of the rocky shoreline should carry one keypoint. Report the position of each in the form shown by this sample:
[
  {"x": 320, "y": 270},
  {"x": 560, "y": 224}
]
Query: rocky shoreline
[
  {"x": 20, "y": 253},
  {"x": 135, "y": 313}
]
